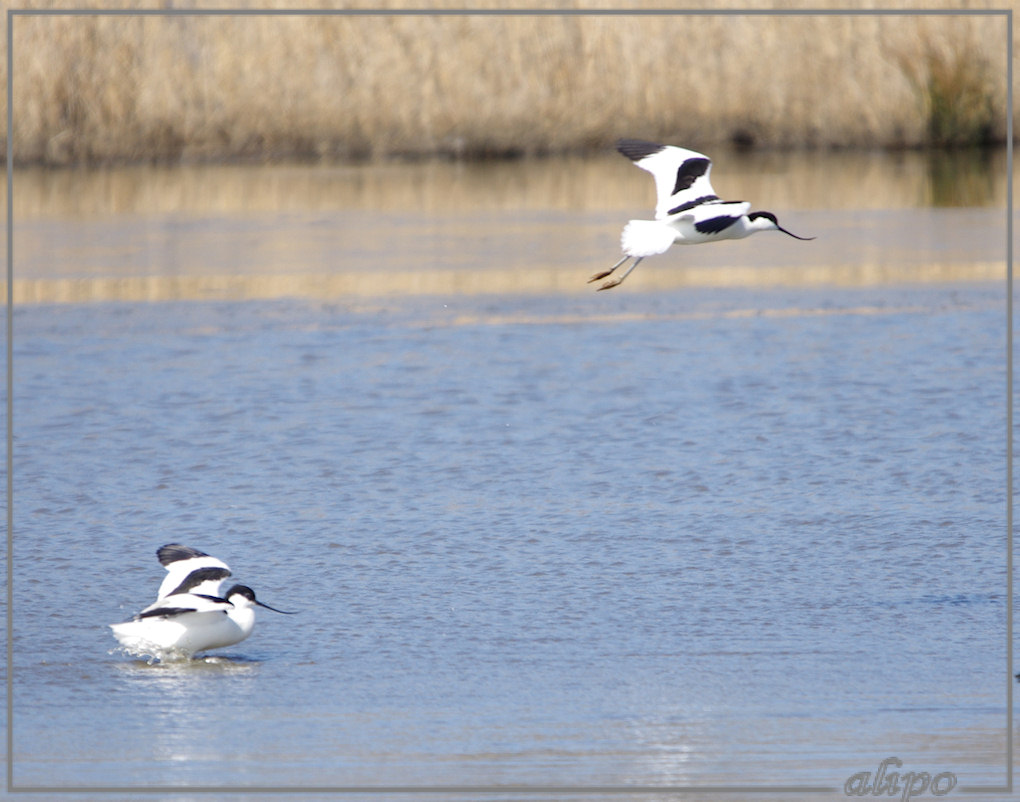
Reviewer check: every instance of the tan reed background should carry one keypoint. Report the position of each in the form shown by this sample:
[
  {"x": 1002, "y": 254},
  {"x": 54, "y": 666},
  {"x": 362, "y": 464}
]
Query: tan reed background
[{"x": 123, "y": 89}]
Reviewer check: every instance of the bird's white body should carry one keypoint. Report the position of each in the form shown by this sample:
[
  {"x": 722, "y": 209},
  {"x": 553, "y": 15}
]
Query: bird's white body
[
  {"x": 687, "y": 211},
  {"x": 189, "y": 615},
  {"x": 180, "y": 635},
  {"x": 652, "y": 237}
]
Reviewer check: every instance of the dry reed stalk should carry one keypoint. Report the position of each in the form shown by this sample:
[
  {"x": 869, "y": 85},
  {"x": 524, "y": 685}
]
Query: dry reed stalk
[{"x": 186, "y": 88}]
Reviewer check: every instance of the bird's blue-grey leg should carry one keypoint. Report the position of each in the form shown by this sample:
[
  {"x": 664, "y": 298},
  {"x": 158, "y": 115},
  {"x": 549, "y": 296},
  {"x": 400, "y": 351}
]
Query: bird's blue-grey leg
[
  {"x": 605, "y": 273},
  {"x": 616, "y": 281}
]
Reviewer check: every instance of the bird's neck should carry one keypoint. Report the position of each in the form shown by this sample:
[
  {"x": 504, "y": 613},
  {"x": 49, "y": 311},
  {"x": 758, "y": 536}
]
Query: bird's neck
[{"x": 244, "y": 617}]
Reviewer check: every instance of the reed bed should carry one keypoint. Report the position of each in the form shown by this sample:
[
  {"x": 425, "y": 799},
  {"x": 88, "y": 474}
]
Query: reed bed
[{"x": 186, "y": 88}]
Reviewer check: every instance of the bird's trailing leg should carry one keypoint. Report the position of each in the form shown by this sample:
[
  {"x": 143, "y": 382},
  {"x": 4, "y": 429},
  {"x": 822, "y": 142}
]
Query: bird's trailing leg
[
  {"x": 605, "y": 273},
  {"x": 617, "y": 281}
]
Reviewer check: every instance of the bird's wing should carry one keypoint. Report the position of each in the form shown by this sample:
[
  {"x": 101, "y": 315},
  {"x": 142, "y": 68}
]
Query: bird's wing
[
  {"x": 681, "y": 175},
  {"x": 190, "y": 571},
  {"x": 181, "y": 603}
]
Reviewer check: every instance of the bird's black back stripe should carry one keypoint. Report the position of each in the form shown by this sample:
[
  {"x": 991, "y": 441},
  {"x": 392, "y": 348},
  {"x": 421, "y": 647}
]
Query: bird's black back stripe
[
  {"x": 683, "y": 207},
  {"x": 172, "y": 552},
  {"x": 197, "y": 577},
  {"x": 164, "y": 611},
  {"x": 689, "y": 172},
  {"x": 637, "y": 149},
  {"x": 715, "y": 224}
]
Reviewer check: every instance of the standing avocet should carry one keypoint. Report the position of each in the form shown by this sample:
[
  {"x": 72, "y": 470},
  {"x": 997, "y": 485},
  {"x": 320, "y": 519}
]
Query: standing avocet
[
  {"x": 189, "y": 615},
  {"x": 688, "y": 210}
]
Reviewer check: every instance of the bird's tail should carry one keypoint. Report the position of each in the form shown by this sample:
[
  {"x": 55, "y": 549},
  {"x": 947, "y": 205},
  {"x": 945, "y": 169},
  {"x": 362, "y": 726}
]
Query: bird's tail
[{"x": 646, "y": 238}]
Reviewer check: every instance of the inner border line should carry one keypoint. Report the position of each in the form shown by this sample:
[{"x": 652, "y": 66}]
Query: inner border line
[
  {"x": 1009, "y": 402},
  {"x": 458, "y": 789},
  {"x": 509, "y": 12},
  {"x": 10, "y": 401}
]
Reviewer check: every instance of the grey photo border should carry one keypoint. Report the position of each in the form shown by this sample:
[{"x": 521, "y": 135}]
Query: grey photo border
[{"x": 525, "y": 789}]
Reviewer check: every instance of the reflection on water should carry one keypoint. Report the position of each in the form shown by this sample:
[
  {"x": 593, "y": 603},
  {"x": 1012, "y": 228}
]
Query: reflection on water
[
  {"x": 971, "y": 177},
  {"x": 542, "y": 226},
  {"x": 784, "y": 180},
  {"x": 175, "y": 719},
  {"x": 187, "y": 668}
]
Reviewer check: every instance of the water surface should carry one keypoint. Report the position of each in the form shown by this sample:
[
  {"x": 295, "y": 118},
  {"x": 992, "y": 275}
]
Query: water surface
[{"x": 663, "y": 536}]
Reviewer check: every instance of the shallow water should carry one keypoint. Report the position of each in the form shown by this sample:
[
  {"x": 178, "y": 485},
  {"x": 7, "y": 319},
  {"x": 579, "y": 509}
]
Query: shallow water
[{"x": 685, "y": 537}]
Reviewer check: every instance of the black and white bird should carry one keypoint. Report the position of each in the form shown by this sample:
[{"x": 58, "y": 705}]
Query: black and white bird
[
  {"x": 688, "y": 211},
  {"x": 189, "y": 614}
]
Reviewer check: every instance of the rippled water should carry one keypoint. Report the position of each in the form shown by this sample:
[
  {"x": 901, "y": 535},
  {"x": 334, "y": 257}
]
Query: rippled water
[{"x": 689, "y": 537}]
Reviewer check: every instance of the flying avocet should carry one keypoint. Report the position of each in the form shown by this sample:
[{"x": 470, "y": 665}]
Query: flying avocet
[
  {"x": 189, "y": 614},
  {"x": 688, "y": 211}
]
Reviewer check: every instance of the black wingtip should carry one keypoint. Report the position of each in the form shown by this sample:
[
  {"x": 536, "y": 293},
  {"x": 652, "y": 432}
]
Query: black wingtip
[
  {"x": 637, "y": 149},
  {"x": 172, "y": 552}
]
